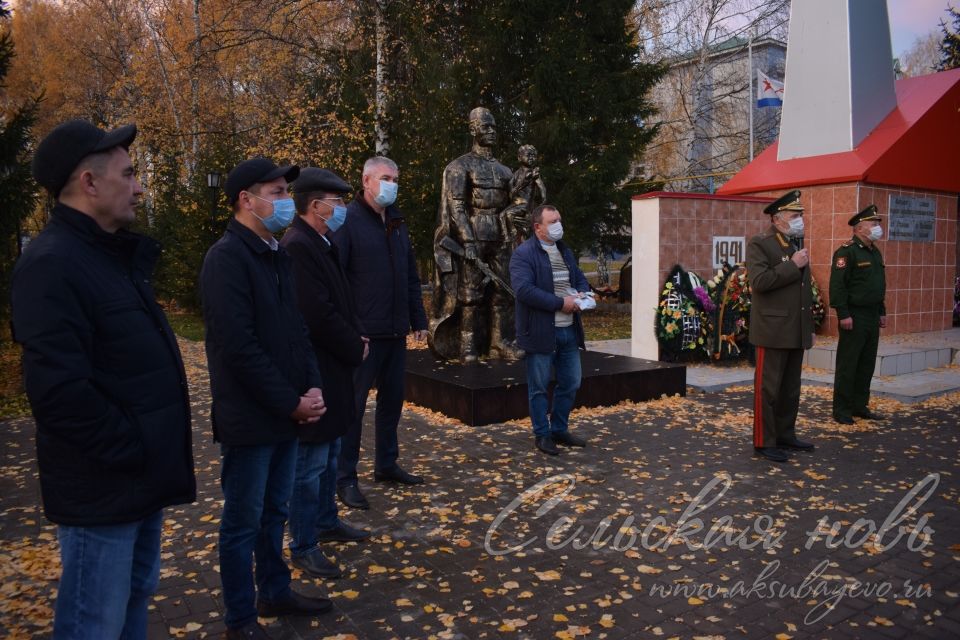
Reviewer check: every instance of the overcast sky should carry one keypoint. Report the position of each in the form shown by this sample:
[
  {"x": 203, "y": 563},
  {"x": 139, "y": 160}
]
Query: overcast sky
[{"x": 911, "y": 19}]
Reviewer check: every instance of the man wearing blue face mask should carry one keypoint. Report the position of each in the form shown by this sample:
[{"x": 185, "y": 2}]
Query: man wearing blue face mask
[
  {"x": 265, "y": 385},
  {"x": 327, "y": 304},
  {"x": 377, "y": 256},
  {"x": 548, "y": 284},
  {"x": 781, "y": 326}
]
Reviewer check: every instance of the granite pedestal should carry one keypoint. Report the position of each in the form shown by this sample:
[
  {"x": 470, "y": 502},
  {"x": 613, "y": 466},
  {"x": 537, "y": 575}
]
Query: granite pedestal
[{"x": 496, "y": 391}]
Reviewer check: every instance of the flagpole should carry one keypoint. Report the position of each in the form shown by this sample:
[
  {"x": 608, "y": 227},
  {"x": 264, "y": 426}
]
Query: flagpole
[{"x": 750, "y": 83}]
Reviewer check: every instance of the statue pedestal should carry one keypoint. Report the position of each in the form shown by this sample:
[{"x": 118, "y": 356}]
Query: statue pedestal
[{"x": 496, "y": 391}]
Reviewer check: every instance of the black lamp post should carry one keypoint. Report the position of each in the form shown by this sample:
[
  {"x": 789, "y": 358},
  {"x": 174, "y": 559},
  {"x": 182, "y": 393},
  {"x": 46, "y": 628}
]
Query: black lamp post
[{"x": 213, "y": 182}]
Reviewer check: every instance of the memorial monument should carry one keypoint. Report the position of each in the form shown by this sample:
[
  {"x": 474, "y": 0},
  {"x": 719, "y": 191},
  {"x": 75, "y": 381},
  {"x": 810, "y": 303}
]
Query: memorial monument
[
  {"x": 472, "y": 371},
  {"x": 477, "y": 230}
]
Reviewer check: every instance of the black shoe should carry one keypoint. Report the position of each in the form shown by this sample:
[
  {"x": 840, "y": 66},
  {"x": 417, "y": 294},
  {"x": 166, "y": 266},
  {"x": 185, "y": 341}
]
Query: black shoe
[
  {"x": 567, "y": 439},
  {"x": 296, "y": 605},
  {"x": 317, "y": 565},
  {"x": 868, "y": 415},
  {"x": 843, "y": 419},
  {"x": 772, "y": 453},
  {"x": 397, "y": 475},
  {"x": 350, "y": 495},
  {"x": 252, "y": 631},
  {"x": 547, "y": 445},
  {"x": 343, "y": 532},
  {"x": 795, "y": 444}
]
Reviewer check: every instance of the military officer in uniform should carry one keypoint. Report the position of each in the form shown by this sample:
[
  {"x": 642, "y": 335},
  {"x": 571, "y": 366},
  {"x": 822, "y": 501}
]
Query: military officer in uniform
[
  {"x": 781, "y": 326},
  {"x": 857, "y": 288}
]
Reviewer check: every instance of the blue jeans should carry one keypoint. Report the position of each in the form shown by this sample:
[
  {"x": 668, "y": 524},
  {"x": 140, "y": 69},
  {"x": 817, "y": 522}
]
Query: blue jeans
[
  {"x": 384, "y": 365},
  {"x": 565, "y": 360},
  {"x": 109, "y": 575},
  {"x": 313, "y": 506},
  {"x": 257, "y": 482}
]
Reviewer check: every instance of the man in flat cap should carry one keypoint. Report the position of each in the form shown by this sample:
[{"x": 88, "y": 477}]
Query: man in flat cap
[
  {"x": 105, "y": 381},
  {"x": 266, "y": 388},
  {"x": 857, "y": 288},
  {"x": 781, "y": 326},
  {"x": 328, "y": 308}
]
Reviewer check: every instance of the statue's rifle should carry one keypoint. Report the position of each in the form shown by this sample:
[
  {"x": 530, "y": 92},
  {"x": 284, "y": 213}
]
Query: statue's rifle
[{"x": 453, "y": 247}]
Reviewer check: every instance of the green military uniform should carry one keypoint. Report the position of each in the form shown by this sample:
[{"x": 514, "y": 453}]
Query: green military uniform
[{"x": 857, "y": 288}]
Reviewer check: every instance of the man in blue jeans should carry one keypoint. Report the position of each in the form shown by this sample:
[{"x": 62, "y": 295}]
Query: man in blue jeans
[
  {"x": 266, "y": 388},
  {"x": 548, "y": 283},
  {"x": 105, "y": 381}
]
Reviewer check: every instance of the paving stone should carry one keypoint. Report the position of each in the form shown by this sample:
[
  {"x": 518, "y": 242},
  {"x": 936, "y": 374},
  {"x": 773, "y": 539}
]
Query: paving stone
[{"x": 426, "y": 562}]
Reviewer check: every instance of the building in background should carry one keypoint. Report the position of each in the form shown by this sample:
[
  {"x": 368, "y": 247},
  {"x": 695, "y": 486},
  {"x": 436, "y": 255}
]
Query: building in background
[{"x": 704, "y": 104}]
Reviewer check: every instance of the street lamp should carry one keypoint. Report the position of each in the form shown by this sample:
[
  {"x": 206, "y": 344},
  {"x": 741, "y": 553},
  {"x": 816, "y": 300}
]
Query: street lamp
[{"x": 213, "y": 182}]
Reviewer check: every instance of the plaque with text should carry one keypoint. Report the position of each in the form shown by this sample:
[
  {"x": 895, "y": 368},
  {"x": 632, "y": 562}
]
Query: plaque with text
[
  {"x": 729, "y": 249},
  {"x": 912, "y": 219}
]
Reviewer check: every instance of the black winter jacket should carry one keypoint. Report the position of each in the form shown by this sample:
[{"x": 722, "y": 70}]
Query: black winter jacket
[
  {"x": 379, "y": 262},
  {"x": 326, "y": 303},
  {"x": 103, "y": 374},
  {"x": 258, "y": 353}
]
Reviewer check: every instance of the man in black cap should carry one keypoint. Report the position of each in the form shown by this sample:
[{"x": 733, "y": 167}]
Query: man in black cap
[
  {"x": 326, "y": 302},
  {"x": 265, "y": 386},
  {"x": 106, "y": 383},
  {"x": 781, "y": 326},
  {"x": 857, "y": 288}
]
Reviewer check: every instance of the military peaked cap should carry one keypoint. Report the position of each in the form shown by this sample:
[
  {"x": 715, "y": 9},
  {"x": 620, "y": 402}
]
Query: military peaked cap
[
  {"x": 787, "y": 202},
  {"x": 870, "y": 213}
]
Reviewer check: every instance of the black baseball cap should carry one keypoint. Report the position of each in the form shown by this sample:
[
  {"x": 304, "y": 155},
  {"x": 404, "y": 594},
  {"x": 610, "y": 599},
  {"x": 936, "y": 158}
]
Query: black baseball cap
[
  {"x": 253, "y": 171},
  {"x": 314, "y": 179},
  {"x": 68, "y": 144}
]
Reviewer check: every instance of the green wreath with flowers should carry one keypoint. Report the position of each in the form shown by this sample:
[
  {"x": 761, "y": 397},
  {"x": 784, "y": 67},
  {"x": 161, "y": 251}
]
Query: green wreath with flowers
[{"x": 670, "y": 313}]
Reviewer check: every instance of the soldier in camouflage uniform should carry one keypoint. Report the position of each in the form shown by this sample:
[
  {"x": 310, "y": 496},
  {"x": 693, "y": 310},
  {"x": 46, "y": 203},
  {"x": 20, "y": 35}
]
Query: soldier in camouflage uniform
[{"x": 857, "y": 287}]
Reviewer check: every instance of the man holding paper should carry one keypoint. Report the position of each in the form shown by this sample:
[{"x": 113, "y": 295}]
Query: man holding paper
[{"x": 551, "y": 290}]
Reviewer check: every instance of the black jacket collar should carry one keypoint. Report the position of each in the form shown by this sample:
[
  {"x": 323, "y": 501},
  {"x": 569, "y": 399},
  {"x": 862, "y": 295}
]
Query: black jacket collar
[
  {"x": 251, "y": 239},
  {"x": 124, "y": 244},
  {"x": 300, "y": 225}
]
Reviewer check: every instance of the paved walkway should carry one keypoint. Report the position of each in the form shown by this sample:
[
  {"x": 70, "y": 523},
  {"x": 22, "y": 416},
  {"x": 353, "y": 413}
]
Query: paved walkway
[{"x": 602, "y": 551}]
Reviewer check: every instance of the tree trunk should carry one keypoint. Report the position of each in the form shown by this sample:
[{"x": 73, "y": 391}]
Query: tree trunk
[
  {"x": 195, "y": 92},
  {"x": 381, "y": 126}
]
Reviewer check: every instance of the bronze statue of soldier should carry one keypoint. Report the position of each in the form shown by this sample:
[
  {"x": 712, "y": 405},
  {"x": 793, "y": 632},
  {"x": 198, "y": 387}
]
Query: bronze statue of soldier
[{"x": 472, "y": 300}]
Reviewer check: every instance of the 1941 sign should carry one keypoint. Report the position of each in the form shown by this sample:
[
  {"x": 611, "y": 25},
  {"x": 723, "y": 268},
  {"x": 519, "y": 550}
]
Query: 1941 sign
[{"x": 729, "y": 249}]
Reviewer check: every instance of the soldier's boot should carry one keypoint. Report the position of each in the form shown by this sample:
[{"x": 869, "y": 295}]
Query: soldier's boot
[
  {"x": 468, "y": 335},
  {"x": 500, "y": 345}
]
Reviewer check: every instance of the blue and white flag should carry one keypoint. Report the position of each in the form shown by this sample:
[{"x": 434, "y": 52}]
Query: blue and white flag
[{"x": 769, "y": 91}]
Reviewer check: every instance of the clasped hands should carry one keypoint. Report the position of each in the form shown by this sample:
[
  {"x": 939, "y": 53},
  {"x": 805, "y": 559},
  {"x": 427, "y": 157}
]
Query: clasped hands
[{"x": 311, "y": 407}]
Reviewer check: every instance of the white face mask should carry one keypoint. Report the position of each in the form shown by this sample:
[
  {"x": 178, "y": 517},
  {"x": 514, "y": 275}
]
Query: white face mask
[
  {"x": 876, "y": 232},
  {"x": 555, "y": 231},
  {"x": 796, "y": 227}
]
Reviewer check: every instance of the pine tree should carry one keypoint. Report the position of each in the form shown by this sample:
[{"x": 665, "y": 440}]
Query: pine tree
[
  {"x": 18, "y": 192},
  {"x": 950, "y": 46},
  {"x": 568, "y": 80}
]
